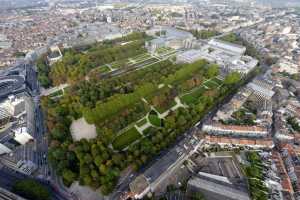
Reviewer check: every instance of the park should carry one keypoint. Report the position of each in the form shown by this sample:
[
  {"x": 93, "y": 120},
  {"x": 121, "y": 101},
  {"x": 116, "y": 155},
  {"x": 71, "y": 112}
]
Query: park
[{"x": 130, "y": 118}]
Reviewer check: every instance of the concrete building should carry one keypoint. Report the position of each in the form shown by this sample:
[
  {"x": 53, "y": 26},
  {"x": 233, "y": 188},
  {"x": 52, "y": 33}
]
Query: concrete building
[
  {"x": 255, "y": 143},
  {"x": 21, "y": 127},
  {"x": 17, "y": 135},
  {"x": 226, "y": 46},
  {"x": 261, "y": 90},
  {"x": 215, "y": 187},
  {"x": 55, "y": 55},
  {"x": 230, "y": 57},
  {"x": 172, "y": 38},
  {"x": 189, "y": 56},
  {"x": 217, "y": 176},
  {"x": 4, "y": 42},
  {"x": 243, "y": 131}
]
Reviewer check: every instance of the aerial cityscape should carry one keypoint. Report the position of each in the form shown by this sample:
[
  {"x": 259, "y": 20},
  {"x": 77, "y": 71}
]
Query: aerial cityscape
[{"x": 150, "y": 99}]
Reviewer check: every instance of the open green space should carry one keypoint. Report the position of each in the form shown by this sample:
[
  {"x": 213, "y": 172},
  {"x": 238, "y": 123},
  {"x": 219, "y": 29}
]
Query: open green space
[
  {"x": 154, "y": 119},
  {"x": 118, "y": 64},
  {"x": 141, "y": 58},
  {"x": 115, "y": 105},
  {"x": 126, "y": 138},
  {"x": 211, "y": 84},
  {"x": 218, "y": 81},
  {"x": 193, "y": 97},
  {"x": 103, "y": 69},
  {"x": 163, "y": 50}
]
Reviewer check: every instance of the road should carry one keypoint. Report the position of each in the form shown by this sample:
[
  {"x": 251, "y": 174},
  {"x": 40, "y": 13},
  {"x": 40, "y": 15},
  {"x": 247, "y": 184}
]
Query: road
[
  {"x": 9, "y": 177},
  {"x": 37, "y": 152}
]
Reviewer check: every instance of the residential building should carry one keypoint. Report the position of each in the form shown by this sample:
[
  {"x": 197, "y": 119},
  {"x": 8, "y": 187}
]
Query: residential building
[
  {"x": 235, "y": 131},
  {"x": 240, "y": 141},
  {"x": 21, "y": 128}
]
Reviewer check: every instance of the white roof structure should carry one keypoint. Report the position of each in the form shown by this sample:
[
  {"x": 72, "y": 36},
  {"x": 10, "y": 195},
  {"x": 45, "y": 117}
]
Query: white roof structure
[
  {"x": 4, "y": 113},
  {"x": 229, "y": 56},
  {"x": 238, "y": 49},
  {"x": 261, "y": 91},
  {"x": 189, "y": 56},
  {"x": 4, "y": 149},
  {"x": 22, "y": 136}
]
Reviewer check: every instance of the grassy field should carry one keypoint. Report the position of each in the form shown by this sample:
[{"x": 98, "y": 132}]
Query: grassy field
[
  {"x": 154, "y": 119},
  {"x": 126, "y": 138},
  {"x": 163, "y": 50},
  {"x": 139, "y": 61},
  {"x": 211, "y": 84},
  {"x": 192, "y": 97},
  {"x": 218, "y": 81},
  {"x": 103, "y": 69},
  {"x": 118, "y": 64}
]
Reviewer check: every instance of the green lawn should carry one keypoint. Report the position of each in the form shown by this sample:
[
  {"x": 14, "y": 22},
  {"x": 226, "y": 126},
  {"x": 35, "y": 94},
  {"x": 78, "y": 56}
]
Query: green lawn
[
  {"x": 216, "y": 80},
  {"x": 163, "y": 50},
  {"x": 141, "y": 58},
  {"x": 192, "y": 97},
  {"x": 211, "y": 84},
  {"x": 119, "y": 64},
  {"x": 103, "y": 69},
  {"x": 126, "y": 138},
  {"x": 154, "y": 119}
]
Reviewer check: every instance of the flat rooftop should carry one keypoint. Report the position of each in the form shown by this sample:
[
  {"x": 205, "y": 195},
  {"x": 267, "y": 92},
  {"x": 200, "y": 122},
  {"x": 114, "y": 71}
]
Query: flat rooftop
[
  {"x": 213, "y": 187},
  {"x": 224, "y": 166}
]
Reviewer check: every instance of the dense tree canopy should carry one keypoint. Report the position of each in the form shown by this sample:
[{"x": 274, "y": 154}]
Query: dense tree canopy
[
  {"x": 31, "y": 189},
  {"x": 76, "y": 64},
  {"x": 232, "y": 78},
  {"x": 204, "y": 34}
]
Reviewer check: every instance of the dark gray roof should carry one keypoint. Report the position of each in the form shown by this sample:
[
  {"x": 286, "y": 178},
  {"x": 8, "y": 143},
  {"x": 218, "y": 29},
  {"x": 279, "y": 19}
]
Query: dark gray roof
[{"x": 214, "y": 187}]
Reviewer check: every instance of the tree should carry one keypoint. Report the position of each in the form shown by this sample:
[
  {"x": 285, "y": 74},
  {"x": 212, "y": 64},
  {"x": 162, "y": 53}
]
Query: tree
[
  {"x": 31, "y": 189},
  {"x": 213, "y": 70},
  {"x": 69, "y": 176},
  {"x": 232, "y": 78}
]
